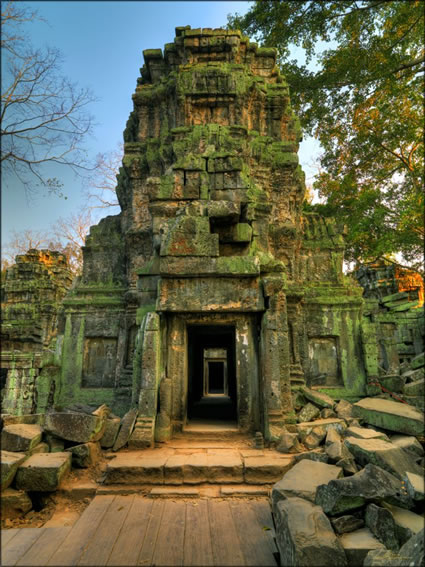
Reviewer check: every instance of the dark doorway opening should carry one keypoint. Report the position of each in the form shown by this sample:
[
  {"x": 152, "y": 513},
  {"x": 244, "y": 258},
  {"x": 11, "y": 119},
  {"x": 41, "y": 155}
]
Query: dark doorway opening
[{"x": 211, "y": 373}]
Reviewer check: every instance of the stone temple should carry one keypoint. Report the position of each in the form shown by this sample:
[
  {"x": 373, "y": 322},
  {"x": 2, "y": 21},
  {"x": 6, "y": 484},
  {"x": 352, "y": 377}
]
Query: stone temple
[{"x": 212, "y": 293}]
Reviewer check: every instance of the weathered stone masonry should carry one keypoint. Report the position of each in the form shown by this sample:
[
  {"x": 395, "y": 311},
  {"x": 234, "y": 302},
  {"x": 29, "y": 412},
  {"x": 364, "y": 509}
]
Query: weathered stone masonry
[{"x": 211, "y": 255}]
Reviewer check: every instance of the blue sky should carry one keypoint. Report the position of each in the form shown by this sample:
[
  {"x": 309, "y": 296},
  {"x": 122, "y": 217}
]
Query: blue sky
[{"x": 102, "y": 44}]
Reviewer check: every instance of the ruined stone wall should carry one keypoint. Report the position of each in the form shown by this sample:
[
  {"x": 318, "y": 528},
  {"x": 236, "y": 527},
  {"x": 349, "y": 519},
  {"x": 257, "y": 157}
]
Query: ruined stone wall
[{"x": 31, "y": 300}]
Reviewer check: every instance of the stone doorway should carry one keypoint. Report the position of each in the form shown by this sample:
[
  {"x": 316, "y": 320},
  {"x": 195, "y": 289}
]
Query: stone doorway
[{"x": 211, "y": 374}]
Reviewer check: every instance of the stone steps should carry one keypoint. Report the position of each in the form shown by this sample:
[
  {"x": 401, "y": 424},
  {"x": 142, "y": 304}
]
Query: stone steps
[
  {"x": 188, "y": 491},
  {"x": 167, "y": 467}
]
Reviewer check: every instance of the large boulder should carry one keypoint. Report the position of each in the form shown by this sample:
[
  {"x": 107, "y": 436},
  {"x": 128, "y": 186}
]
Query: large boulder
[
  {"x": 407, "y": 522},
  {"x": 21, "y": 437},
  {"x": 383, "y": 454},
  {"x": 358, "y": 544},
  {"x": 304, "y": 535},
  {"x": 411, "y": 554},
  {"x": 43, "y": 472},
  {"x": 381, "y": 523},
  {"x": 77, "y": 427},
  {"x": 9, "y": 462},
  {"x": 370, "y": 484},
  {"x": 303, "y": 479},
  {"x": 390, "y": 415}
]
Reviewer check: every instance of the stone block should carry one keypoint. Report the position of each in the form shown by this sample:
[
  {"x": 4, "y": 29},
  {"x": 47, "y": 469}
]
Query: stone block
[
  {"x": 370, "y": 484},
  {"x": 304, "y": 535},
  {"x": 225, "y": 469},
  {"x": 14, "y": 503},
  {"x": 381, "y": 523},
  {"x": 195, "y": 469},
  {"x": 415, "y": 486},
  {"x": 141, "y": 467},
  {"x": 326, "y": 424},
  {"x": 417, "y": 362},
  {"x": 43, "y": 472},
  {"x": 258, "y": 470},
  {"x": 332, "y": 436},
  {"x": 126, "y": 427},
  {"x": 383, "y": 454},
  {"x": 56, "y": 445},
  {"x": 346, "y": 524},
  {"x": 20, "y": 437},
  {"x": 410, "y": 554},
  {"x": 415, "y": 388},
  {"x": 288, "y": 443},
  {"x": 225, "y": 211},
  {"x": 110, "y": 434},
  {"x": 408, "y": 443},
  {"x": 393, "y": 383},
  {"x": 390, "y": 415},
  {"x": 85, "y": 455},
  {"x": 318, "y": 398},
  {"x": 357, "y": 545},
  {"x": 325, "y": 413},
  {"x": 303, "y": 479},
  {"x": 317, "y": 455},
  {"x": 308, "y": 413},
  {"x": 407, "y": 522},
  {"x": 76, "y": 427},
  {"x": 40, "y": 448},
  {"x": 9, "y": 463},
  {"x": 365, "y": 433}
]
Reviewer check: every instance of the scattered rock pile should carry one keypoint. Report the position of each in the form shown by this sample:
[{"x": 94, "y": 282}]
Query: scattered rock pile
[
  {"x": 356, "y": 494},
  {"x": 38, "y": 451}
]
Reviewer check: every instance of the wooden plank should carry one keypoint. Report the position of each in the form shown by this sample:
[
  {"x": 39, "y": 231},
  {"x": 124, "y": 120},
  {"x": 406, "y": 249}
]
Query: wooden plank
[
  {"x": 44, "y": 547},
  {"x": 19, "y": 545},
  {"x": 263, "y": 512},
  {"x": 148, "y": 547},
  {"x": 224, "y": 537},
  {"x": 197, "y": 539},
  {"x": 82, "y": 532},
  {"x": 7, "y": 535},
  {"x": 169, "y": 544},
  {"x": 131, "y": 537},
  {"x": 99, "y": 548},
  {"x": 254, "y": 541}
]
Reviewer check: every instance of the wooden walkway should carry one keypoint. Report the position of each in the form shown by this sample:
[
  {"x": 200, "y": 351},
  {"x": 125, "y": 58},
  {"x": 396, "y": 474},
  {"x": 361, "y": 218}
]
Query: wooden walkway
[{"x": 135, "y": 530}]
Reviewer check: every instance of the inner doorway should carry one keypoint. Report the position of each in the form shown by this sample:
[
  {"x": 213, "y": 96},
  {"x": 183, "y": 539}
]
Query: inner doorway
[{"x": 211, "y": 373}]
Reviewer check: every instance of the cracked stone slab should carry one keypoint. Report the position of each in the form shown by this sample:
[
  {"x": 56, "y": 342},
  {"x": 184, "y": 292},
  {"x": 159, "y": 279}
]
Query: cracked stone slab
[
  {"x": 390, "y": 415},
  {"x": 20, "y": 437}
]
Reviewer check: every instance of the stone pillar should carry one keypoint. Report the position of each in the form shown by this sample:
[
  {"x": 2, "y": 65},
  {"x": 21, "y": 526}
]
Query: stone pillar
[
  {"x": 149, "y": 360},
  {"x": 177, "y": 370},
  {"x": 163, "y": 428},
  {"x": 275, "y": 366}
]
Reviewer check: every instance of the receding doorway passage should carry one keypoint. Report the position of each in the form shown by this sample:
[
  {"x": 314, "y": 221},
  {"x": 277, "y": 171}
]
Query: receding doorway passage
[{"x": 211, "y": 374}]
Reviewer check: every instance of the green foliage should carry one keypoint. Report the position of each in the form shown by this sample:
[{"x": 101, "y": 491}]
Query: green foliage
[{"x": 363, "y": 101}]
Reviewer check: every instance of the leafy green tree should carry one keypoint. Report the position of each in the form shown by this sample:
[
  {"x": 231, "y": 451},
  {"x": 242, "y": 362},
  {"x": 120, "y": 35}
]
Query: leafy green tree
[{"x": 360, "y": 94}]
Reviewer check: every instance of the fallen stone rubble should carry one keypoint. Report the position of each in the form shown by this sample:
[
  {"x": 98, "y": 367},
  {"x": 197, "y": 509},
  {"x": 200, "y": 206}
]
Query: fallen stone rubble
[
  {"x": 356, "y": 493},
  {"x": 39, "y": 451}
]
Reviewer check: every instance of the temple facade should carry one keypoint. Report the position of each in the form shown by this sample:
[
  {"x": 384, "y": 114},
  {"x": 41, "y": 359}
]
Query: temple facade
[{"x": 212, "y": 294}]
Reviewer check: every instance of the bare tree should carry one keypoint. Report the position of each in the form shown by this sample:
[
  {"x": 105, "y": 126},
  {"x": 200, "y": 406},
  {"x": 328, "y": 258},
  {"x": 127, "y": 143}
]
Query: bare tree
[
  {"x": 73, "y": 231},
  {"x": 102, "y": 182},
  {"x": 44, "y": 117}
]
